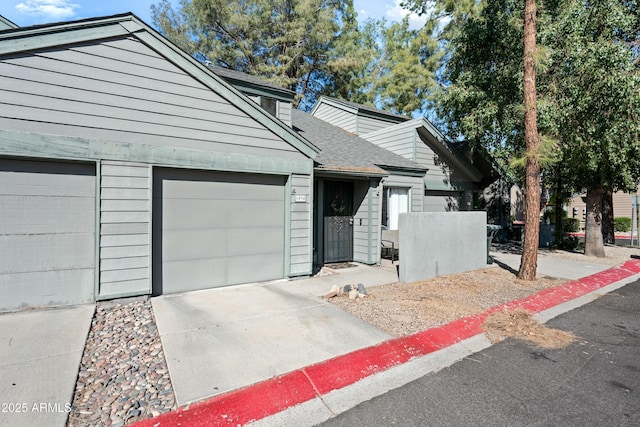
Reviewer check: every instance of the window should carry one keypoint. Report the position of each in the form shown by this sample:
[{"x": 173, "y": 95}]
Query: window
[
  {"x": 269, "y": 105},
  {"x": 394, "y": 202}
]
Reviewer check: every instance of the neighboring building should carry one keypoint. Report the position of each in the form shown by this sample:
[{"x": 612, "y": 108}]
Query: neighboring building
[
  {"x": 128, "y": 168},
  {"x": 622, "y": 206},
  {"x": 451, "y": 179}
]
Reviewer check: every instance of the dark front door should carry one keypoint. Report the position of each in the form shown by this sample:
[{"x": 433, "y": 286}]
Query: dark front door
[{"x": 338, "y": 221}]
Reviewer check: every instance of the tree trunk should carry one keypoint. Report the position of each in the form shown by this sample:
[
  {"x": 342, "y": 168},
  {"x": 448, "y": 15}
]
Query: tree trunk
[
  {"x": 558, "y": 209},
  {"x": 529, "y": 261},
  {"x": 593, "y": 242},
  {"x": 608, "y": 227}
]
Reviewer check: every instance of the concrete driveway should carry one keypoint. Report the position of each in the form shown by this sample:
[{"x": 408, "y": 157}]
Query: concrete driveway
[
  {"x": 40, "y": 352},
  {"x": 223, "y": 339}
]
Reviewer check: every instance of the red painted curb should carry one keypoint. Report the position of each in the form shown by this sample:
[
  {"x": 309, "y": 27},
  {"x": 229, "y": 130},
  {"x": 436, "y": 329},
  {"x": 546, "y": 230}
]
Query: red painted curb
[{"x": 269, "y": 397}]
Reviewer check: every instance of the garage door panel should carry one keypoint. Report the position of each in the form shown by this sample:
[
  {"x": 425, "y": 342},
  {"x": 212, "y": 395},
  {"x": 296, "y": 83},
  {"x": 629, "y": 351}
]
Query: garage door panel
[
  {"x": 28, "y": 178},
  {"x": 183, "y": 184},
  {"x": 190, "y": 214},
  {"x": 51, "y": 288},
  {"x": 192, "y": 244},
  {"x": 254, "y": 268},
  {"x": 214, "y": 226},
  {"x": 188, "y": 275},
  {"x": 254, "y": 240},
  {"x": 47, "y": 233},
  {"x": 43, "y": 252},
  {"x": 35, "y": 215},
  {"x": 221, "y": 242}
]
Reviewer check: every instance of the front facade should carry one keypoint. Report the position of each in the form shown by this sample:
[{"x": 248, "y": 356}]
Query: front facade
[
  {"x": 128, "y": 168},
  {"x": 353, "y": 179},
  {"x": 451, "y": 178}
]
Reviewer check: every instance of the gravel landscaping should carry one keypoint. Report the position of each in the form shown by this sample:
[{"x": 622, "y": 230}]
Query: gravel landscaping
[{"x": 123, "y": 376}]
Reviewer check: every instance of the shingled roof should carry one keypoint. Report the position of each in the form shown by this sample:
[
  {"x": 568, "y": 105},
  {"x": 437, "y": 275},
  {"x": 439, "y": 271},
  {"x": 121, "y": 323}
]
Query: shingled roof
[
  {"x": 365, "y": 110},
  {"x": 247, "y": 80},
  {"x": 342, "y": 151}
]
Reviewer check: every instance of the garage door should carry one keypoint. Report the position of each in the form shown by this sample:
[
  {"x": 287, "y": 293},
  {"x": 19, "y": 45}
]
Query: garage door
[
  {"x": 216, "y": 229},
  {"x": 47, "y": 223}
]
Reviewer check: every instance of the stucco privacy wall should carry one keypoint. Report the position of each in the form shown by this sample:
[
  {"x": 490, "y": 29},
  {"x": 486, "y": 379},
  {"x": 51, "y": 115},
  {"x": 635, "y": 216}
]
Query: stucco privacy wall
[{"x": 434, "y": 244}]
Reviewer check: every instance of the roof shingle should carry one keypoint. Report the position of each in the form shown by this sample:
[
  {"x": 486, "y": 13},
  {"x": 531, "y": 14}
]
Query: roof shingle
[{"x": 344, "y": 151}]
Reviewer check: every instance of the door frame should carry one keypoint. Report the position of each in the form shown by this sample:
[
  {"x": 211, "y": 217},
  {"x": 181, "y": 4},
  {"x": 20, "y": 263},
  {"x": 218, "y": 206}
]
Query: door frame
[{"x": 319, "y": 218}]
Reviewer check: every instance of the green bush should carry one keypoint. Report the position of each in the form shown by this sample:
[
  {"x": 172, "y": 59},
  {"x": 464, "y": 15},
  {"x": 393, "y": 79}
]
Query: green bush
[
  {"x": 622, "y": 224},
  {"x": 570, "y": 225}
]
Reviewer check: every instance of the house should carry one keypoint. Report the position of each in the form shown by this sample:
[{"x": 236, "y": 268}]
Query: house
[
  {"x": 351, "y": 176},
  {"x": 359, "y": 189},
  {"x": 452, "y": 178},
  {"x": 129, "y": 168},
  {"x": 622, "y": 206}
]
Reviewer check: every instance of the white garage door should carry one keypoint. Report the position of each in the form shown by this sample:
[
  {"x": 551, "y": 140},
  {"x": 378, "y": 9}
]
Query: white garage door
[
  {"x": 47, "y": 224},
  {"x": 216, "y": 229}
]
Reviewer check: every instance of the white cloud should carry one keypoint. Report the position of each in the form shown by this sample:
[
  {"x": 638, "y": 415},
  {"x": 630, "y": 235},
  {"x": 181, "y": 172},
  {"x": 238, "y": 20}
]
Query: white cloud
[
  {"x": 397, "y": 13},
  {"x": 49, "y": 10}
]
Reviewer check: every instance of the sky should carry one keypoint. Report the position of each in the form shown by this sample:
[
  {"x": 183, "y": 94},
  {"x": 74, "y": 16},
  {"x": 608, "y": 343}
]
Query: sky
[{"x": 33, "y": 12}]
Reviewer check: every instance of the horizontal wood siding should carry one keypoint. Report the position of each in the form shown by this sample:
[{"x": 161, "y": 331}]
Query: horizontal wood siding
[
  {"x": 442, "y": 202},
  {"x": 361, "y": 242},
  {"x": 622, "y": 206},
  {"x": 367, "y": 125},
  {"x": 125, "y": 211},
  {"x": 301, "y": 226},
  {"x": 415, "y": 185},
  {"x": 399, "y": 140},
  {"x": 437, "y": 169},
  {"x": 122, "y": 91},
  {"x": 284, "y": 112},
  {"x": 337, "y": 117}
]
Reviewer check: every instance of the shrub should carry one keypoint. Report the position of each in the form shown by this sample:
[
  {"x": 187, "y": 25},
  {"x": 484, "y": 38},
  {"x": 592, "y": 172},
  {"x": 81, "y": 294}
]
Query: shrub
[
  {"x": 622, "y": 224},
  {"x": 570, "y": 225}
]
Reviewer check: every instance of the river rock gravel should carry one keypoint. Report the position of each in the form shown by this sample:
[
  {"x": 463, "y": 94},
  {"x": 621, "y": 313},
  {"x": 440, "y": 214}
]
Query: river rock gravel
[{"x": 123, "y": 376}]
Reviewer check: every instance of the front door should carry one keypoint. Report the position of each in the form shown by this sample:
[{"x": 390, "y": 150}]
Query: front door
[{"x": 338, "y": 221}]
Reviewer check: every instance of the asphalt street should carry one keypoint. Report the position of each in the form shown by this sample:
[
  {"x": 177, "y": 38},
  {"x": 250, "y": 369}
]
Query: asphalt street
[{"x": 593, "y": 382}]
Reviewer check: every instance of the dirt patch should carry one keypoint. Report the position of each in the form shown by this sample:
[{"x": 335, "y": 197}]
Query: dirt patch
[
  {"x": 407, "y": 308},
  {"x": 521, "y": 325}
]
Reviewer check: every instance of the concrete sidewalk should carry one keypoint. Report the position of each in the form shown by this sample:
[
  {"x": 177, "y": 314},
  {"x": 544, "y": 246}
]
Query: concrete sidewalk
[
  {"x": 551, "y": 266},
  {"x": 40, "y": 352},
  {"x": 294, "y": 360}
]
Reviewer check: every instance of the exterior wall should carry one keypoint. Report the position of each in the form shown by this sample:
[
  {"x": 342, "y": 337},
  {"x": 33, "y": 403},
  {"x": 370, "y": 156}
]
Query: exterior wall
[
  {"x": 366, "y": 222},
  {"x": 415, "y": 184},
  {"x": 122, "y": 105},
  {"x": 441, "y": 201},
  {"x": 367, "y": 125},
  {"x": 125, "y": 239},
  {"x": 122, "y": 91},
  {"x": 337, "y": 117},
  {"x": 399, "y": 140},
  {"x": 621, "y": 206},
  {"x": 284, "y": 112},
  {"x": 301, "y": 237},
  {"x": 436, "y": 244},
  {"x": 439, "y": 175}
]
